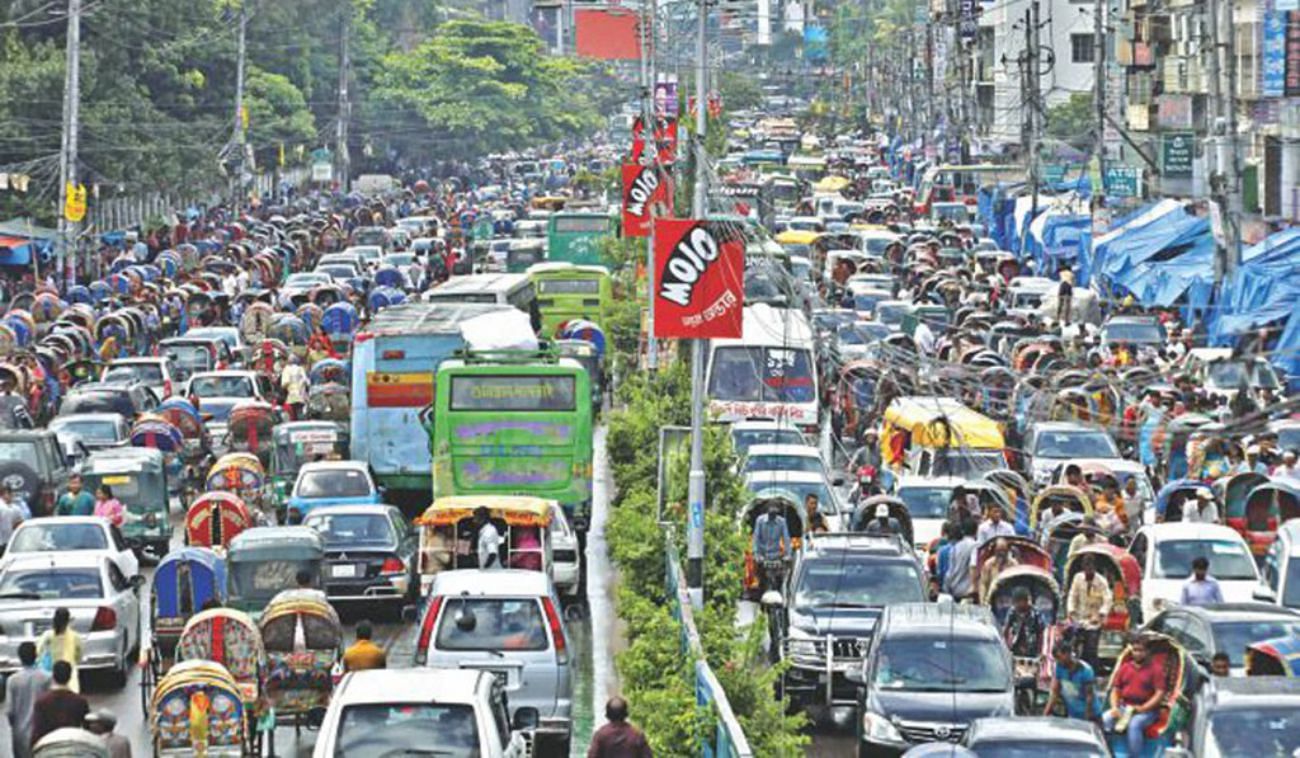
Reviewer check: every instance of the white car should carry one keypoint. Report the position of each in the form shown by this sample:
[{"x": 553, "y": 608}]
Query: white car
[
  {"x": 785, "y": 458},
  {"x": 566, "y": 558},
  {"x": 928, "y": 499},
  {"x": 72, "y": 534},
  {"x": 103, "y": 602},
  {"x": 1166, "y": 551},
  {"x": 216, "y": 393},
  {"x": 746, "y": 434},
  {"x": 419, "y": 712},
  {"x": 799, "y": 484}
]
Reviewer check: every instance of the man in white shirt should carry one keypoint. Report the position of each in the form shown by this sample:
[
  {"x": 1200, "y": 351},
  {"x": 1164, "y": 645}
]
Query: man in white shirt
[
  {"x": 993, "y": 526},
  {"x": 10, "y": 515},
  {"x": 1202, "y": 510},
  {"x": 924, "y": 338},
  {"x": 489, "y": 540},
  {"x": 1287, "y": 468}
]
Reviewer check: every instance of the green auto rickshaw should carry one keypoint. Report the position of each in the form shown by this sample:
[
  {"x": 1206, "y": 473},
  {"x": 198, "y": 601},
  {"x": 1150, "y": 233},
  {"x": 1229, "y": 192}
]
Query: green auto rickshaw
[
  {"x": 138, "y": 478},
  {"x": 264, "y": 560},
  {"x": 298, "y": 442}
]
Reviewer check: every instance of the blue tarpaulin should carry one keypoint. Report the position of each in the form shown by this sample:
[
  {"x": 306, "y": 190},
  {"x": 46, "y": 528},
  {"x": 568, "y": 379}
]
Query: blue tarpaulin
[{"x": 1264, "y": 290}]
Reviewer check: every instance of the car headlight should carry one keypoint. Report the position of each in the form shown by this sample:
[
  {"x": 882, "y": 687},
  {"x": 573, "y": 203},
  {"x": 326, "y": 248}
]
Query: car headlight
[
  {"x": 877, "y": 728},
  {"x": 799, "y": 644}
]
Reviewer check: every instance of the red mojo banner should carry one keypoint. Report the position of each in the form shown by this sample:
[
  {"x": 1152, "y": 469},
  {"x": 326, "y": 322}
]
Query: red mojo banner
[
  {"x": 699, "y": 286},
  {"x": 647, "y": 192},
  {"x": 665, "y": 140}
]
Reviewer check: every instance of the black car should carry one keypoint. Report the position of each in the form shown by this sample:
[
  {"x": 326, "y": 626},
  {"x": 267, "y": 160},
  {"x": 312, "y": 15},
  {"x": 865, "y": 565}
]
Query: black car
[
  {"x": 370, "y": 553},
  {"x": 33, "y": 464},
  {"x": 1227, "y": 628},
  {"x": 836, "y": 591},
  {"x": 1247, "y": 716},
  {"x": 1017, "y": 736},
  {"x": 932, "y": 669},
  {"x": 129, "y": 400}
]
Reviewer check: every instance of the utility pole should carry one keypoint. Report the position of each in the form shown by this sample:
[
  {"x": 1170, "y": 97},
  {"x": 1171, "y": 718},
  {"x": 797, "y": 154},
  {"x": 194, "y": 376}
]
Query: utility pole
[
  {"x": 1099, "y": 82},
  {"x": 1032, "y": 95},
  {"x": 241, "y": 134},
  {"x": 699, "y": 210},
  {"x": 67, "y": 249},
  {"x": 1225, "y": 181},
  {"x": 342, "y": 159},
  {"x": 649, "y": 156}
]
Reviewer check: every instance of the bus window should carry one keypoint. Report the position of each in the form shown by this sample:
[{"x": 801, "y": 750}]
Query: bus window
[{"x": 774, "y": 375}]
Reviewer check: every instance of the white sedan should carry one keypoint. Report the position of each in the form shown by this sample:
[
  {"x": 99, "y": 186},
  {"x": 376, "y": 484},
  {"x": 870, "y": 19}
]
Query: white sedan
[
  {"x": 1166, "y": 552},
  {"x": 73, "y": 534}
]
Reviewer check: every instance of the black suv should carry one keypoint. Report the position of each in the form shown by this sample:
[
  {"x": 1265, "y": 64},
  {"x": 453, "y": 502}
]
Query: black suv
[
  {"x": 932, "y": 669},
  {"x": 130, "y": 400},
  {"x": 824, "y": 621},
  {"x": 32, "y": 462}
]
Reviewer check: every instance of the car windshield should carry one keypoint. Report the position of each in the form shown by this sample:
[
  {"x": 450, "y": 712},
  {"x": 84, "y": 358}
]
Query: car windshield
[
  {"x": 400, "y": 259},
  {"x": 1259, "y": 731},
  {"x": 783, "y": 463},
  {"x": 891, "y": 315},
  {"x": 1147, "y": 333},
  {"x": 849, "y": 583},
  {"x": 44, "y": 538},
  {"x": 348, "y": 529},
  {"x": 926, "y": 502},
  {"x": 1075, "y": 444},
  {"x": 1226, "y": 374},
  {"x": 53, "y": 583},
  {"x": 492, "y": 624},
  {"x": 925, "y": 664},
  {"x": 333, "y": 483},
  {"x": 20, "y": 452},
  {"x": 1228, "y": 560},
  {"x": 145, "y": 373},
  {"x": 306, "y": 279},
  {"x": 966, "y": 464},
  {"x": 1233, "y": 637},
  {"x": 257, "y": 581},
  {"x": 395, "y": 729},
  {"x": 747, "y": 438},
  {"x": 769, "y": 374},
  {"x": 222, "y": 386},
  {"x": 87, "y": 430},
  {"x": 337, "y": 271},
  {"x": 1036, "y": 749},
  {"x": 189, "y": 358},
  {"x": 139, "y": 490}
]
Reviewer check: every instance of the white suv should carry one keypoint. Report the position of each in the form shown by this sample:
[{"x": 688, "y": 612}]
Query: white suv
[{"x": 419, "y": 712}]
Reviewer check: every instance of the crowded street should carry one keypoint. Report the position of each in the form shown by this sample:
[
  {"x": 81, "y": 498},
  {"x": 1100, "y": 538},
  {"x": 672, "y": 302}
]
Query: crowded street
[{"x": 501, "y": 380}]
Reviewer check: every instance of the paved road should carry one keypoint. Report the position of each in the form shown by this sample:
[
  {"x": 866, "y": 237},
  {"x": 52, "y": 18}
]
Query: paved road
[{"x": 595, "y": 678}]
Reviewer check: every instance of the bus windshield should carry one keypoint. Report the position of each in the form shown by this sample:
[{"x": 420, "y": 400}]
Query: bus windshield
[{"x": 770, "y": 374}]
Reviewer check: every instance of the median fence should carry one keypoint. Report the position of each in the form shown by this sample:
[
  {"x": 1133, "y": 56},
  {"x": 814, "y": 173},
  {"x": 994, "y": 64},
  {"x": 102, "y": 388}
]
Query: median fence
[
  {"x": 116, "y": 213},
  {"x": 727, "y": 740}
]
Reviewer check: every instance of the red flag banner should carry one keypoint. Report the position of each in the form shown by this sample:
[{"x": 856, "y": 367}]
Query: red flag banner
[
  {"x": 607, "y": 33},
  {"x": 647, "y": 193},
  {"x": 665, "y": 140},
  {"x": 699, "y": 284}
]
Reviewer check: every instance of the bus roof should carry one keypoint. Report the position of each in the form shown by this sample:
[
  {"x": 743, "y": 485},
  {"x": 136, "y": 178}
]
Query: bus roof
[
  {"x": 564, "y": 267},
  {"x": 428, "y": 318},
  {"x": 766, "y": 326},
  {"x": 477, "y": 283}
]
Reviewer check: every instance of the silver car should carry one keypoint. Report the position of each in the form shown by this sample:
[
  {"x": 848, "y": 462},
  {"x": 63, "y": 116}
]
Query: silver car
[
  {"x": 508, "y": 622},
  {"x": 104, "y": 603}
]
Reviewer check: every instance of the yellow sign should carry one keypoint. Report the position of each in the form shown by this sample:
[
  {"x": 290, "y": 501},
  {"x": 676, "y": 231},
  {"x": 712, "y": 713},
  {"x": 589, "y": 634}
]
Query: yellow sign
[
  {"x": 243, "y": 116},
  {"x": 74, "y": 209},
  {"x": 112, "y": 480}
]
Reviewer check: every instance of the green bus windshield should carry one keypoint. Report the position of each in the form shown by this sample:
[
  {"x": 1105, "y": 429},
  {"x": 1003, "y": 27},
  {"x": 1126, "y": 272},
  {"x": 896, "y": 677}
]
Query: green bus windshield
[
  {"x": 576, "y": 237},
  {"x": 510, "y": 429}
]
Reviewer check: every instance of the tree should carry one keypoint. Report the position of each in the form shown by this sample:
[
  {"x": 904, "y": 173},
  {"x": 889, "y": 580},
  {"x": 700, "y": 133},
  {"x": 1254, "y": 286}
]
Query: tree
[
  {"x": 1073, "y": 121},
  {"x": 277, "y": 114}
]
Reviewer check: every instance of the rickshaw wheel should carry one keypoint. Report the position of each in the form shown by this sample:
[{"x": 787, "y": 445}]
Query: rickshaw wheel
[{"x": 147, "y": 684}]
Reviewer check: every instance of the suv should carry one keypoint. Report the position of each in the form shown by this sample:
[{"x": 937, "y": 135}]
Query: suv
[
  {"x": 1052, "y": 443},
  {"x": 32, "y": 462},
  {"x": 130, "y": 400},
  {"x": 932, "y": 669},
  {"x": 838, "y": 587},
  {"x": 507, "y": 622},
  {"x": 1253, "y": 715},
  {"x": 412, "y": 711}
]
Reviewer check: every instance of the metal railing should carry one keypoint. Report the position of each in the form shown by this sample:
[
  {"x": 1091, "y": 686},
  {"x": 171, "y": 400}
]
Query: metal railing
[
  {"x": 116, "y": 213},
  {"x": 728, "y": 739}
]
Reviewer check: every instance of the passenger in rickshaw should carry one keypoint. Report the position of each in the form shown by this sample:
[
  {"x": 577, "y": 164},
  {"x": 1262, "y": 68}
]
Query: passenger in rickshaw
[
  {"x": 1001, "y": 559},
  {"x": 1137, "y": 692},
  {"x": 1025, "y": 626},
  {"x": 816, "y": 521},
  {"x": 1090, "y": 533},
  {"x": 1087, "y": 607},
  {"x": 1202, "y": 510}
]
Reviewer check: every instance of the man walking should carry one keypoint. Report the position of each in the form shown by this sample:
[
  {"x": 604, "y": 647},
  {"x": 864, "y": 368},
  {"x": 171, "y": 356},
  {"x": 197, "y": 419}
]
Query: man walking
[
  {"x": 60, "y": 706},
  {"x": 364, "y": 654},
  {"x": 21, "y": 691},
  {"x": 618, "y": 739},
  {"x": 1201, "y": 588},
  {"x": 76, "y": 501}
]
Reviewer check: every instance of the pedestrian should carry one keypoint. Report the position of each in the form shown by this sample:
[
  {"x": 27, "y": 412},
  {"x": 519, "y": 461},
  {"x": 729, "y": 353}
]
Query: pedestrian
[
  {"x": 61, "y": 643},
  {"x": 22, "y": 688},
  {"x": 76, "y": 501},
  {"x": 102, "y": 723},
  {"x": 14, "y": 413},
  {"x": 959, "y": 582},
  {"x": 1074, "y": 685},
  {"x": 1221, "y": 664},
  {"x": 364, "y": 654},
  {"x": 617, "y": 738},
  {"x": 59, "y": 707},
  {"x": 1065, "y": 298},
  {"x": 10, "y": 515},
  {"x": 1133, "y": 504},
  {"x": 294, "y": 381},
  {"x": 108, "y": 507},
  {"x": 993, "y": 525},
  {"x": 1201, "y": 588},
  {"x": 488, "y": 540},
  {"x": 1135, "y": 697},
  {"x": 1088, "y": 606}
]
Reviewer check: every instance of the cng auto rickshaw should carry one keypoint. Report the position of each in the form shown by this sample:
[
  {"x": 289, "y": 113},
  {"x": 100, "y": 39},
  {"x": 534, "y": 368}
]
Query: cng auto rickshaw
[
  {"x": 184, "y": 582},
  {"x": 447, "y": 533},
  {"x": 138, "y": 478},
  {"x": 304, "y": 647},
  {"x": 297, "y": 442},
  {"x": 263, "y": 561},
  {"x": 197, "y": 709}
]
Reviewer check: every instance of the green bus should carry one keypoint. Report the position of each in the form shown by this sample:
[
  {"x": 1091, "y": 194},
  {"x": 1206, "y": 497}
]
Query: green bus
[
  {"x": 565, "y": 292},
  {"x": 575, "y": 236},
  {"x": 514, "y": 423}
]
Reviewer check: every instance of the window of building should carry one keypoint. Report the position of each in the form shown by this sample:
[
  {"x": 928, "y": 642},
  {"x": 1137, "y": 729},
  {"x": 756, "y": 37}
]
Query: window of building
[{"x": 1081, "y": 48}]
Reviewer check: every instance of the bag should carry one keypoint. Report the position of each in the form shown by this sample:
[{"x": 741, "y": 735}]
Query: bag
[{"x": 46, "y": 661}]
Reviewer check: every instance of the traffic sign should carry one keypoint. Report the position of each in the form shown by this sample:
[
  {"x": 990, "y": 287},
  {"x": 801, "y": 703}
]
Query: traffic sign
[
  {"x": 1177, "y": 150},
  {"x": 1123, "y": 181}
]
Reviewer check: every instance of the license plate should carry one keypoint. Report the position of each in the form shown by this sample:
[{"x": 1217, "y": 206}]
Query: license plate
[{"x": 343, "y": 571}]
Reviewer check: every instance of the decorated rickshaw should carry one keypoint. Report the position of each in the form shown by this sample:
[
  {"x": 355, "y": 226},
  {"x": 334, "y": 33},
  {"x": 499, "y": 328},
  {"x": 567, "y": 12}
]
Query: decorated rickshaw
[
  {"x": 197, "y": 709},
  {"x": 304, "y": 646}
]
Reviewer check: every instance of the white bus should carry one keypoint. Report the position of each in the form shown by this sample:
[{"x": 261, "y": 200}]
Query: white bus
[{"x": 770, "y": 372}]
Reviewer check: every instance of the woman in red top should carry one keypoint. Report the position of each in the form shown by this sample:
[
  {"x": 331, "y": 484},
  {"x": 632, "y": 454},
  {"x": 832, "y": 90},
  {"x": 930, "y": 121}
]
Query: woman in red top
[{"x": 1136, "y": 693}]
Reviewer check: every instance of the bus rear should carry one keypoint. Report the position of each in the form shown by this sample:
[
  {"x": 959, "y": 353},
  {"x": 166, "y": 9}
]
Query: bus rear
[
  {"x": 576, "y": 237},
  {"x": 514, "y": 427},
  {"x": 566, "y": 292}
]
